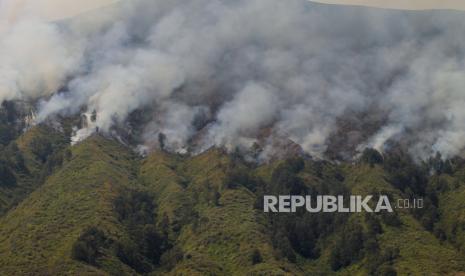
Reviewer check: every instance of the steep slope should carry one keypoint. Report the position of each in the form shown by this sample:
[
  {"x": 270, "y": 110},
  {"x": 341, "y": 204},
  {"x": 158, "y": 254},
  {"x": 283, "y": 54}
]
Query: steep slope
[
  {"x": 37, "y": 236},
  {"x": 104, "y": 211},
  {"x": 451, "y": 201},
  {"x": 419, "y": 252},
  {"x": 27, "y": 161},
  {"x": 213, "y": 222}
]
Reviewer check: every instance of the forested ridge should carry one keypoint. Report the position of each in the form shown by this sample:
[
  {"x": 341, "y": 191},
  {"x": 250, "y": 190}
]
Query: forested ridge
[{"x": 99, "y": 208}]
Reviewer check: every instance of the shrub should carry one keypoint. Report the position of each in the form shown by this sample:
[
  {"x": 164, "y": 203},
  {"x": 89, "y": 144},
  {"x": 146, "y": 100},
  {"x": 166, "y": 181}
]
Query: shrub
[
  {"x": 88, "y": 246},
  {"x": 240, "y": 176},
  {"x": 127, "y": 252},
  {"x": 136, "y": 207},
  {"x": 348, "y": 248},
  {"x": 405, "y": 174},
  {"x": 256, "y": 257},
  {"x": 171, "y": 257},
  {"x": 371, "y": 157},
  {"x": 7, "y": 178},
  {"x": 145, "y": 245},
  {"x": 41, "y": 147}
]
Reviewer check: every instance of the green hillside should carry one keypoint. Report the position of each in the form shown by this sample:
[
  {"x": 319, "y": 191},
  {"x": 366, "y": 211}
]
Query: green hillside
[
  {"x": 27, "y": 161},
  {"x": 98, "y": 209}
]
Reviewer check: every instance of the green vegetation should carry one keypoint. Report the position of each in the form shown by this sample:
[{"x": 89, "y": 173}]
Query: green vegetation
[
  {"x": 98, "y": 209},
  {"x": 8, "y": 126},
  {"x": 22, "y": 170},
  {"x": 88, "y": 247}
]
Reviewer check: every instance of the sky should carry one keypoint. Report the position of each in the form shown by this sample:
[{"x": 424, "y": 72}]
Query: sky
[
  {"x": 58, "y": 9},
  {"x": 48, "y": 9},
  {"x": 403, "y": 4}
]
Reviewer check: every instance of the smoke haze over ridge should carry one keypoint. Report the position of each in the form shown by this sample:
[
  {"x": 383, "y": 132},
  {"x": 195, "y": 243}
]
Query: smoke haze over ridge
[
  {"x": 402, "y": 4},
  {"x": 221, "y": 72}
]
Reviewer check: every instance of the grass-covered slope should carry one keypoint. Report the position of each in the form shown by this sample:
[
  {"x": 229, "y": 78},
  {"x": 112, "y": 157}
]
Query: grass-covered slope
[
  {"x": 101, "y": 210},
  {"x": 36, "y": 238},
  {"x": 419, "y": 252},
  {"x": 215, "y": 227},
  {"x": 27, "y": 161}
]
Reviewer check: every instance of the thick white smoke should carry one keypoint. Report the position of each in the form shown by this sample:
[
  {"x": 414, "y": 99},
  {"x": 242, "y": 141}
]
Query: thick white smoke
[
  {"x": 216, "y": 72},
  {"x": 35, "y": 60}
]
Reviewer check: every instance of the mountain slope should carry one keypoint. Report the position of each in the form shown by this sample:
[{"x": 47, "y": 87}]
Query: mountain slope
[
  {"x": 27, "y": 161},
  {"x": 37, "y": 236},
  {"x": 103, "y": 210}
]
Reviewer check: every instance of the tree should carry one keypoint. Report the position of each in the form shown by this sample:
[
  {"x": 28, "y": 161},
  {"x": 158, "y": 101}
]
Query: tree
[
  {"x": 348, "y": 249},
  {"x": 88, "y": 246},
  {"x": 439, "y": 166},
  {"x": 145, "y": 245},
  {"x": 373, "y": 224},
  {"x": 41, "y": 147},
  {"x": 7, "y": 178},
  {"x": 256, "y": 257},
  {"x": 161, "y": 140},
  {"x": 371, "y": 157},
  {"x": 405, "y": 174}
]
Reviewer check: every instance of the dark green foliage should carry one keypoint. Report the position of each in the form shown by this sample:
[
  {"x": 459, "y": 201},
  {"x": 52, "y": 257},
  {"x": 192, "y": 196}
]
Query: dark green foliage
[
  {"x": 152, "y": 244},
  {"x": 325, "y": 170},
  {"x": 93, "y": 116},
  {"x": 373, "y": 224},
  {"x": 285, "y": 181},
  {"x": 301, "y": 231},
  {"x": 241, "y": 176},
  {"x": 20, "y": 171},
  {"x": 348, "y": 248},
  {"x": 12, "y": 157},
  {"x": 439, "y": 166},
  {"x": 11, "y": 161},
  {"x": 381, "y": 262},
  {"x": 16, "y": 158},
  {"x": 295, "y": 165},
  {"x": 88, "y": 247},
  {"x": 280, "y": 242},
  {"x": 391, "y": 219},
  {"x": 146, "y": 245},
  {"x": 135, "y": 207},
  {"x": 371, "y": 245},
  {"x": 54, "y": 160},
  {"x": 7, "y": 134},
  {"x": 216, "y": 198},
  {"x": 7, "y": 178},
  {"x": 211, "y": 233},
  {"x": 208, "y": 194},
  {"x": 256, "y": 257},
  {"x": 428, "y": 215},
  {"x": 171, "y": 257},
  {"x": 304, "y": 234},
  {"x": 41, "y": 147},
  {"x": 405, "y": 174},
  {"x": 9, "y": 129},
  {"x": 371, "y": 157},
  {"x": 128, "y": 252},
  {"x": 386, "y": 270},
  {"x": 161, "y": 140}
]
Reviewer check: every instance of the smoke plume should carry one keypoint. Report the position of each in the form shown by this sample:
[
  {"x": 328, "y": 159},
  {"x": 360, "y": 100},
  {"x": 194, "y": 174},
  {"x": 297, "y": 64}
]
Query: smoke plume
[{"x": 201, "y": 73}]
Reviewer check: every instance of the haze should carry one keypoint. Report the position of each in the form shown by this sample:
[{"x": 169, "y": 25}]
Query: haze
[
  {"x": 58, "y": 9},
  {"x": 47, "y": 9},
  {"x": 402, "y": 4},
  {"x": 222, "y": 73}
]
